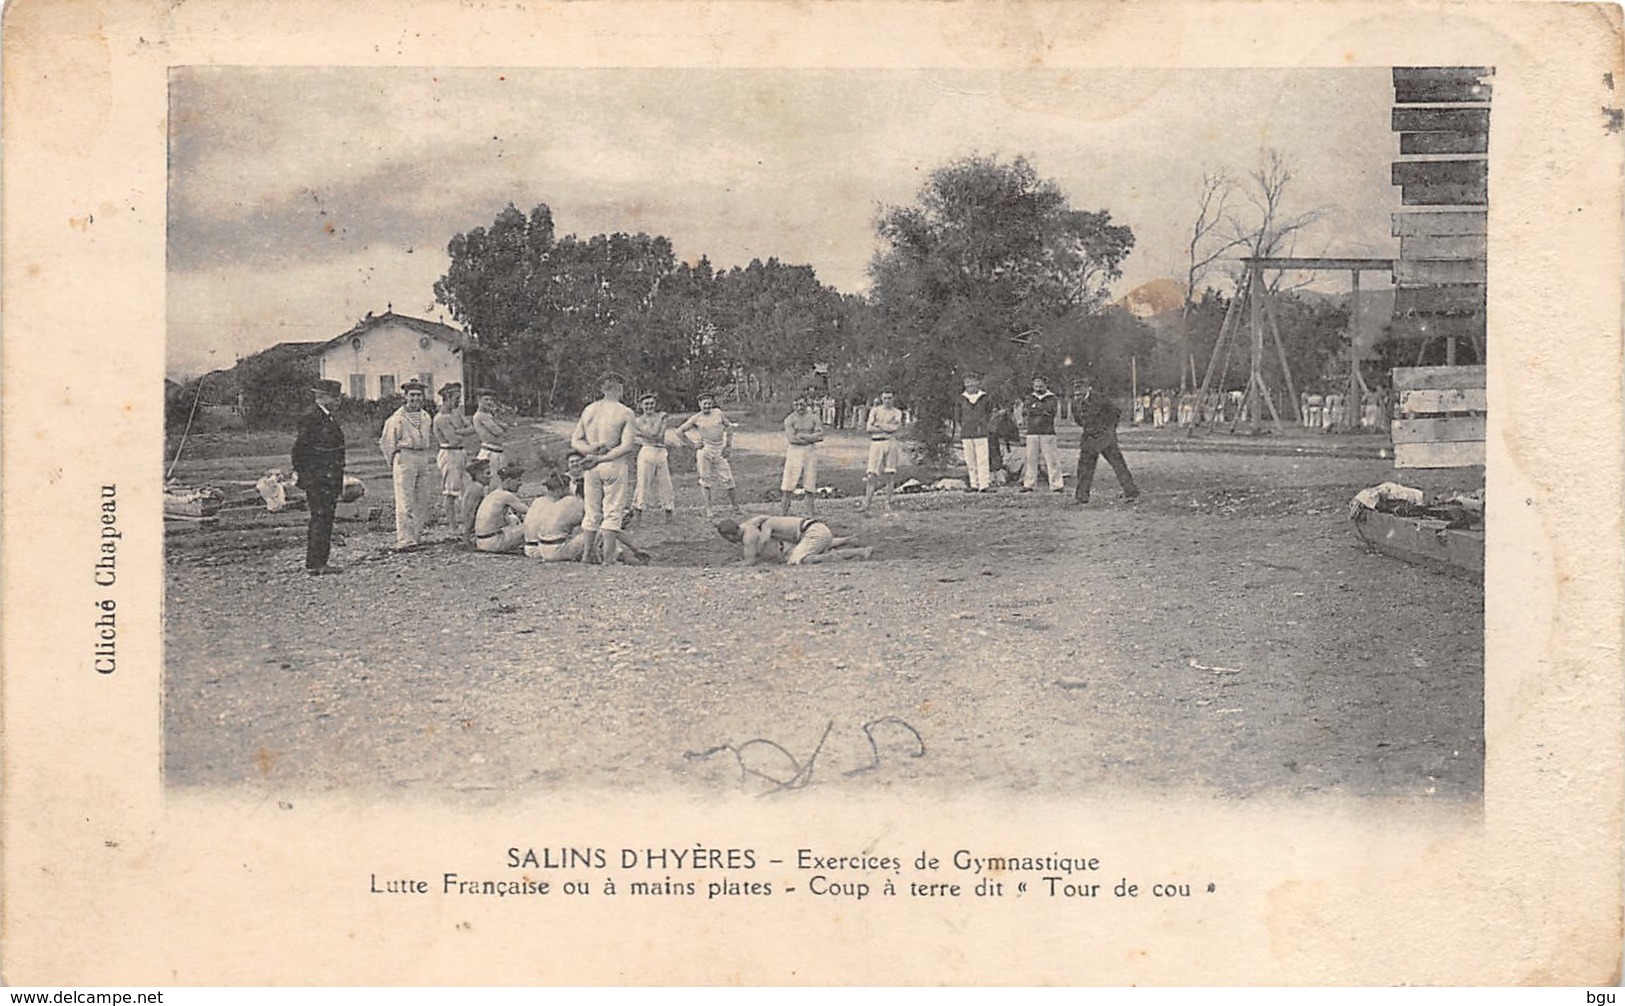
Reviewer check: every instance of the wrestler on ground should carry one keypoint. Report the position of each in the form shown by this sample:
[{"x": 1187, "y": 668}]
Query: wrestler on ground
[
  {"x": 765, "y": 537},
  {"x": 405, "y": 442},
  {"x": 605, "y": 437},
  {"x": 884, "y": 421},
  {"x": 711, "y": 456},
  {"x": 654, "y": 465},
  {"x": 498, "y": 524},
  {"x": 802, "y": 432},
  {"x": 452, "y": 430}
]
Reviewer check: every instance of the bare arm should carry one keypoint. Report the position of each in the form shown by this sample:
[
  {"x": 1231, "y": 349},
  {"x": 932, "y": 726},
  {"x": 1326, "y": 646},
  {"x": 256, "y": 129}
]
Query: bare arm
[
  {"x": 682, "y": 431},
  {"x": 578, "y": 437},
  {"x": 628, "y": 444},
  {"x": 756, "y": 535}
]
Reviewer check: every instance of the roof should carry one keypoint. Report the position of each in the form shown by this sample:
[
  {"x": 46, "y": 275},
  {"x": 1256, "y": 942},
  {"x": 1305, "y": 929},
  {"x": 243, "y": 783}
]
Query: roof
[
  {"x": 287, "y": 351},
  {"x": 433, "y": 329}
]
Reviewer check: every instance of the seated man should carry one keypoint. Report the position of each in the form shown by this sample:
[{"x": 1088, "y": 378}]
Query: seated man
[
  {"x": 497, "y": 523},
  {"x": 553, "y": 527},
  {"x": 479, "y": 483},
  {"x": 766, "y": 538}
]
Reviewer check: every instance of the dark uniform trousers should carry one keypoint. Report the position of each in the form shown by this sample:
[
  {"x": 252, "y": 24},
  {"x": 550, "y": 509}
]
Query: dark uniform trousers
[{"x": 1099, "y": 417}]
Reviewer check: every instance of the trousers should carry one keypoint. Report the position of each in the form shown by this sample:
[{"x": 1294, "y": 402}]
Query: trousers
[
  {"x": 654, "y": 478},
  {"x": 976, "y": 470},
  {"x": 417, "y": 482},
  {"x": 1113, "y": 454},
  {"x": 1043, "y": 445},
  {"x": 322, "y": 497}
]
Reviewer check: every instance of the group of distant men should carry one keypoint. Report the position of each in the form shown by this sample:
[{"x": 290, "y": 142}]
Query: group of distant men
[
  {"x": 619, "y": 463},
  {"x": 1096, "y": 415}
]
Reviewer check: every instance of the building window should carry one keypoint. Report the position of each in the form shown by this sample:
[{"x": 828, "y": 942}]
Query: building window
[
  {"x": 358, "y": 386},
  {"x": 386, "y": 385}
]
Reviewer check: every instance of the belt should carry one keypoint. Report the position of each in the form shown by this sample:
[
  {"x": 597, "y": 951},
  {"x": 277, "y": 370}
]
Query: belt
[
  {"x": 489, "y": 534},
  {"x": 809, "y": 522},
  {"x": 490, "y": 447},
  {"x": 878, "y": 439},
  {"x": 449, "y": 447},
  {"x": 549, "y": 541},
  {"x": 410, "y": 448}
]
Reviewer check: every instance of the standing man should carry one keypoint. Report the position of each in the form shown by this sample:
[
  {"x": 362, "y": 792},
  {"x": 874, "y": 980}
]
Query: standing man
[
  {"x": 883, "y": 423},
  {"x": 1041, "y": 407},
  {"x": 452, "y": 430},
  {"x": 973, "y": 414},
  {"x": 406, "y": 443},
  {"x": 488, "y": 429},
  {"x": 711, "y": 456},
  {"x": 499, "y": 522},
  {"x": 605, "y": 436},
  {"x": 802, "y": 432},
  {"x": 654, "y": 464},
  {"x": 318, "y": 461},
  {"x": 1098, "y": 416}
]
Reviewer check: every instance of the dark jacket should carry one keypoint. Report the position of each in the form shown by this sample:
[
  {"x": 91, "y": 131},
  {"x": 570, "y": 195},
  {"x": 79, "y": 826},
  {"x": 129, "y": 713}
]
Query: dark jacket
[
  {"x": 974, "y": 418},
  {"x": 1098, "y": 416},
  {"x": 1041, "y": 414},
  {"x": 318, "y": 447}
]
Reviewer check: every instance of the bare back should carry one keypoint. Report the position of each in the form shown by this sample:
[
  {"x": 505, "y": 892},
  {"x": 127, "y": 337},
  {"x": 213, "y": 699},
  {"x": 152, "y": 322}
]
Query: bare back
[
  {"x": 553, "y": 518},
  {"x": 606, "y": 427}
]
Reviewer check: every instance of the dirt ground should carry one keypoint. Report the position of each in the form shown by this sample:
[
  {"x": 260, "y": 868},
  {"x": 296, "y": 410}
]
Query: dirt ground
[{"x": 1224, "y": 635}]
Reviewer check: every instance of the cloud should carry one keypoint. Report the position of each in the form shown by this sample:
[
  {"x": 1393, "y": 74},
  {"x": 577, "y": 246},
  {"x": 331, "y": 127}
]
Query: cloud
[{"x": 286, "y": 178}]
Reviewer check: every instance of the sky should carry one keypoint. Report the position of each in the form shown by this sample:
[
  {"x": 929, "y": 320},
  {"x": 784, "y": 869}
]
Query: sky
[{"x": 302, "y": 198}]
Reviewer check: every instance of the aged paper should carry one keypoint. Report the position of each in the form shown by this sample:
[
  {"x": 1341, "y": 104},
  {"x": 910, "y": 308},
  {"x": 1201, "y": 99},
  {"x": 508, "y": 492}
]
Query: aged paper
[{"x": 114, "y": 877}]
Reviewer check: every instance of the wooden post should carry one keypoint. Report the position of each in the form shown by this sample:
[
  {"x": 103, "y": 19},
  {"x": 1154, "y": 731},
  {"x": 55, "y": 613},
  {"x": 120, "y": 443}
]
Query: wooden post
[
  {"x": 1286, "y": 368},
  {"x": 1133, "y": 385}
]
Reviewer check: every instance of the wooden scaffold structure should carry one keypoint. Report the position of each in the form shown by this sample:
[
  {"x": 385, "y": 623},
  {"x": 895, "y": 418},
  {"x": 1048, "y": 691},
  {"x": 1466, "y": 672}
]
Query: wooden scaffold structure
[{"x": 1253, "y": 301}]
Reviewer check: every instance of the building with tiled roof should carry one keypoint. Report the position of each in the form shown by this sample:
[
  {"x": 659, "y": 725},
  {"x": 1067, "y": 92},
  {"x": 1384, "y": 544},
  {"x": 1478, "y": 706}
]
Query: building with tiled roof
[{"x": 382, "y": 352}]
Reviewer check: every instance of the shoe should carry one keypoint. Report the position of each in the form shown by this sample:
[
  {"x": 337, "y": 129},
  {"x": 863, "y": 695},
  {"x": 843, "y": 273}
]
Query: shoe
[
  {"x": 1058, "y": 489},
  {"x": 1080, "y": 499},
  {"x": 1132, "y": 499},
  {"x": 989, "y": 489},
  {"x": 1025, "y": 489}
]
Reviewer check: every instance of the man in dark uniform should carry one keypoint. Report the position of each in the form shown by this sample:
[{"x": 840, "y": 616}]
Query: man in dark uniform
[
  {"x": 1098, "y": 417},
  {"x": 318, "y": 460}
]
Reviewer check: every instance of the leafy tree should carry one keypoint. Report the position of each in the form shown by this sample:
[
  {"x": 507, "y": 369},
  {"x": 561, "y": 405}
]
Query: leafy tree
[
  {"x": 979, "y": 274},
  {"x": 275, "y": 387},
  {"x": 551, "y": 314}
]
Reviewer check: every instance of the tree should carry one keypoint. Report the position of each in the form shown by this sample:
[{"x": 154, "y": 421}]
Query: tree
[
  {"x": 1274, "y": 233},
  {"x": 979, "y": 272},
  {"x": 551, "y": 314}
]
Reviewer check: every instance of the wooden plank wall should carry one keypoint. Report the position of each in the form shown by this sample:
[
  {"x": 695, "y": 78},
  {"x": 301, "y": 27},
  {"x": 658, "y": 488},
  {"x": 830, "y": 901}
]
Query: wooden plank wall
[
  {"x": 1440, "y": 416},
  {"x": 1442, "y": 115}
]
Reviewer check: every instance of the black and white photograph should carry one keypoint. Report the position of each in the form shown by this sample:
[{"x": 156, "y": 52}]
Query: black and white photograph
[
  {"x": 1158, "y": 467},
  {"x": 812, "y": 495}
]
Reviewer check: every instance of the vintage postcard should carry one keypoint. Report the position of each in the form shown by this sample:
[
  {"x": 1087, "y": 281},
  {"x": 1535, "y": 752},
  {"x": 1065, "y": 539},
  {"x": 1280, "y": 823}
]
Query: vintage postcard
[{"x": 852, "y": 493}]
